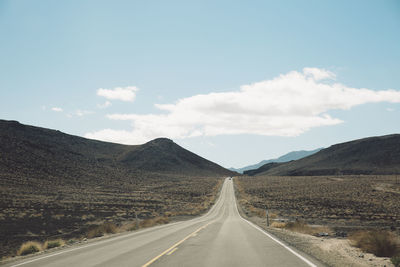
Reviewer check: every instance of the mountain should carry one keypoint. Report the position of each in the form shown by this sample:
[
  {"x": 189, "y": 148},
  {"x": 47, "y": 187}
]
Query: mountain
[
  {"x": 263, "y": 168},
  {"x": 373, "y": 155},
  {"x": 43, "y": 153},
  {"x": 294, "y": 155}
]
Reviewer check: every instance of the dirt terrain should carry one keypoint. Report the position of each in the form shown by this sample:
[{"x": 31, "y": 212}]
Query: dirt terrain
[
  {"x": 55, "y": 185},
  {"x": 343, "y": 202},
  {"x": 33, "y": 210},
  {"x": 336, "y": 205}
]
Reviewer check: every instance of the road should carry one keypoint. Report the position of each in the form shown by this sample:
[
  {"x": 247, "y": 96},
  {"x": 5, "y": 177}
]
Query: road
[{"x": 219, "y": 238}]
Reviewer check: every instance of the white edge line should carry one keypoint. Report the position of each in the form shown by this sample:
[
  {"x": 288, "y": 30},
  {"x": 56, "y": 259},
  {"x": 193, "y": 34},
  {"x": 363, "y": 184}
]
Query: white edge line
[
  {"x": 95, "y": 243},
  {"x": 282, "y": 244},
  {"x": 114, "y": 238},
  {"x": 275, "y": 239}
]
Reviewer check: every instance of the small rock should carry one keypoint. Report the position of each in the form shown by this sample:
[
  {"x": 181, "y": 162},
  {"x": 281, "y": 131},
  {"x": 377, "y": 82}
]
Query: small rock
[
  {"x": 361, "y": 256},
  {"x": 322, "y": 234}
]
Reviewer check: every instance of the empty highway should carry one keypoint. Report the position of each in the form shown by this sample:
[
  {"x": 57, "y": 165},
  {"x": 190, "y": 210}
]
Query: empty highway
[{"x": 219, "y": 238}]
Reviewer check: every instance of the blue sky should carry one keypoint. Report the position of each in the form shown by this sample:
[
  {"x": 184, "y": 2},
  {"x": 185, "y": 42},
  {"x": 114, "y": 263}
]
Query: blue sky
[{"x": 316, "y": 72}]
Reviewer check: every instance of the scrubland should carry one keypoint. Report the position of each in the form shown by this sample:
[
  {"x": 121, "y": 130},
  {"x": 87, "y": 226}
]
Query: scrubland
[
  {"x": 37, "y": 211},
  {"x": 358, "y": 210}
]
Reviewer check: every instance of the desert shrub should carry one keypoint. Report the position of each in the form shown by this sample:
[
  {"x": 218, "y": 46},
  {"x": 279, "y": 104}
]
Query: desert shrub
[
  {"x": 278, "y": 224},
  {"x": 396, "y": 261},
  {"x": 304, "y": 228},
  {"x": 53, "y": 243},
  {"x": 29, "y": 248},
  {"x": 133, "y": 227},
  {"x": 154, "y": 221},
  {"x": 381, "y": 243},
  {"x": 299, "y": 226},
  {"x": 100, "y": 230}
]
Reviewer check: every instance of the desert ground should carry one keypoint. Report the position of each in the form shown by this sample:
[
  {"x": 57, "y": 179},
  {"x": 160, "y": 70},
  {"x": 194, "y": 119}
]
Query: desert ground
[
  {"x": 337, "y": 201},
  {"x": 349, "y": 220},
  {"x": 35, "y": 210}
]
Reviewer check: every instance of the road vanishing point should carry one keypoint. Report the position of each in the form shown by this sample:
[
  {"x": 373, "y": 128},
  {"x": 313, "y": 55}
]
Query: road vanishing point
[{"x": 219, "y": 238}]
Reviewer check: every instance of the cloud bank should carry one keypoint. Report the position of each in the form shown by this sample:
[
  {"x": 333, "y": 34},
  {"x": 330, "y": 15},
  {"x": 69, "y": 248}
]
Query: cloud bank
[
  {"x": 288, "y": 105},
  {"x": 119, "y": 93}
]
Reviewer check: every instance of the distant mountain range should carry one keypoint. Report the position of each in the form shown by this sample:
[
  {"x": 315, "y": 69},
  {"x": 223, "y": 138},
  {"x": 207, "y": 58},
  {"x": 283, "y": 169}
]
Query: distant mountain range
[
  {"x": 294, "y": 155},
  {"x": 373, "y": 155},
  {"x": 28, "y": 151}
]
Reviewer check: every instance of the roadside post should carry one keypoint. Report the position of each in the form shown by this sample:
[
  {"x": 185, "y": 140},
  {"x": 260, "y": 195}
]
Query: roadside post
[{"x": 267, "y": 215}]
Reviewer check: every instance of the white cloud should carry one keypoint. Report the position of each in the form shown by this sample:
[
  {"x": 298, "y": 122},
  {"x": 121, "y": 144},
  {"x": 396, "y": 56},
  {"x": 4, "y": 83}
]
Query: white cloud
[
  {"x": 288, "y": 105},
  {"x": 105, "y": 105},
  {"x": 390, "y": 109},
  {"x": 81, "y": 113},
  {"x": 319, "y": 74},
  {"x": 119, "y": 93},
  {"x": 116, "y": 136},
  {"x": 56, "y": 109}
]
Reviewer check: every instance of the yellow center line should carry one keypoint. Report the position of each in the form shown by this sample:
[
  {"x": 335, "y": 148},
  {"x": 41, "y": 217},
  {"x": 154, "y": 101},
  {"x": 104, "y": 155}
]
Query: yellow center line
[{"x": 172, "y": 249}]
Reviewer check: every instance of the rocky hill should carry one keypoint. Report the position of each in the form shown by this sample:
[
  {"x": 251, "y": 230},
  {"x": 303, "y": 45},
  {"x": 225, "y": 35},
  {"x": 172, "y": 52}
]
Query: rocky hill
[
  {"x": 55, "y": 185},
  {"x": 43, "y": 153},
  {"x": 373, "y": 155},
  {"x": 294, "y": 155}
]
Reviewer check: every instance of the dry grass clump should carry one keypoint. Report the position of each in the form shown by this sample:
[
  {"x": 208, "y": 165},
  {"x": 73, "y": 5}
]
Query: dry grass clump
[
  {"x": 130, "y": 226},
  {"x": 381, "y": 243},
  {"x": 100, "y": 230},
  {"x": 154, "y": 221},
  {"x": 278, "y": 224},
  {"x": 29, "y": 248},
  {"x": 53, "y": 243},
  {"x": 300, "y": 227}
]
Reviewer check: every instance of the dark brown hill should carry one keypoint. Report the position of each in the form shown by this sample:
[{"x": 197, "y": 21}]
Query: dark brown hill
[
  {"x": 28, "y": 150},
  {"x": 163, "y": 154},
  {"x": 373, "y": 155},
  {"x": 263, "y": 168}
]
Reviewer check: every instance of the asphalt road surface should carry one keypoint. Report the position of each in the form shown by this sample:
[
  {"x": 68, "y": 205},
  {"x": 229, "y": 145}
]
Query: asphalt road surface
[{"x": 219, "y": 238}]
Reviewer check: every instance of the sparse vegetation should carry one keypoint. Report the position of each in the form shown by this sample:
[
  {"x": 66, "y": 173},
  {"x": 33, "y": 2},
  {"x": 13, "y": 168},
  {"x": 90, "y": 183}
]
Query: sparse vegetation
[
  {"x": 278, "y": 225},
  {"x": 154, "y": 221},
  {"x": 301, "y": 227},
  {"x": 381, "y": 243},
  {"x": 29, "y": 248},
  {"x": 53, "y": 243},
  {"x": 164, "y": 197},
  {"x": 346, "y": 203},
  {"x": 100, "y": 230},
  {"x": 57, "y": 185},
  {"x": 343, "y": 201}
]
